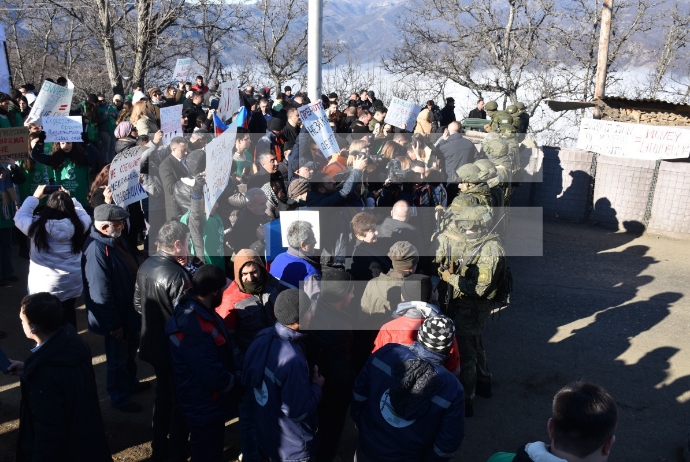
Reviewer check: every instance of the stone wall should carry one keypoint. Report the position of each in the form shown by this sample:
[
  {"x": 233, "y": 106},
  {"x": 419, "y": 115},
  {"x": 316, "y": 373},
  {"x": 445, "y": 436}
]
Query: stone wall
[{"x": 620, "y": 113}]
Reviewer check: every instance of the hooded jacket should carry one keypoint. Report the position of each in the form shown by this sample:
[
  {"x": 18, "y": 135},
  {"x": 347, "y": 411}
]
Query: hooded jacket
[
  {"x": 298, "y": 270},
  {"x": 246, "y": 314},
  {"x": 380, "y": 296},
  {"x": 407, "y": 406},
  {"x": 203, "y": 364},
  {"x": 285, "y": 400},
  {"x": 59, "y": 270},
  {"x": 404, "y": 329},
  {"x": 60, "y": 417}
]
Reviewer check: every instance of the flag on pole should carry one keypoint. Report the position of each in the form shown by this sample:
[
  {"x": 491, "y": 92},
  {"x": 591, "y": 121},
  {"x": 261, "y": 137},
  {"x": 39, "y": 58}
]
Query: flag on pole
[
  {"x": 242, "y": 118},
  {"x": 220, "y": 126}
]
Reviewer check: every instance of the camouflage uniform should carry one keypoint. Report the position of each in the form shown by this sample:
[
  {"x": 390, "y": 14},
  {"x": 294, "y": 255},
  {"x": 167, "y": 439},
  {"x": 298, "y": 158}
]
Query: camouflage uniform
[
  {"x": 524, "y": 118},
  {"x": 473, "y": 269}
]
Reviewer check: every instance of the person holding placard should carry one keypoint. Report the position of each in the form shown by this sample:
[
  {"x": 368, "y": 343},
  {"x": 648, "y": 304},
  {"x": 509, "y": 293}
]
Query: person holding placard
[
  {"x": 107, "y": 116},
  {"x": 144, "y": 117}
]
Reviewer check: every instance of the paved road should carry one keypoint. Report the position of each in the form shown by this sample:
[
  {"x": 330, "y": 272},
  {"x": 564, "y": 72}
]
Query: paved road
[{"x": 602, "y": 306}]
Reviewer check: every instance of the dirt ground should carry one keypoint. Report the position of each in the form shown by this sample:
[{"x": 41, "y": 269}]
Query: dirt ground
[{"x": 598, "y": 305}]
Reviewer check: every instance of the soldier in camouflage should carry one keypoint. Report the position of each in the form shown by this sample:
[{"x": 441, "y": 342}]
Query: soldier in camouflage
[
  {"x": 524, "y": 118},
  {"x": 497, "y": 117},
  {"x": 471, "y": 263}
]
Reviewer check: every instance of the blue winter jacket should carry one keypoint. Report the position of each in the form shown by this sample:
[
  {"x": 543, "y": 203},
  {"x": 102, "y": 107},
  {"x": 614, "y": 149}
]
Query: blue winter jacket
[
  {"x": 294, "y": 267},
  {"x": 429, "y": 428},
  {"x": 202, "y": 363},
  {"x": 108, "y": 286},
  {"x": 275, "y": 367}
]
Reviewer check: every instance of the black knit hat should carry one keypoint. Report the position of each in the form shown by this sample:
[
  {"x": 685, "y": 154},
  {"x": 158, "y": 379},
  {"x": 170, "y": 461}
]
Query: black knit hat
[
  {"x": 416, "y": 288},
  {"x": 290, "y": 305},
  {"x": 336, "y": 285},
  {"x": 196, "y": 161},
  {"x": 436, "y": 334},
  {"x": 274, "y": 123}
]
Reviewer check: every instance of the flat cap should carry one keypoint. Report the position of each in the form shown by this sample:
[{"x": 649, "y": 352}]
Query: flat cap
[
  {"x": 110, "y": 212},
  {"x": 403, "y": 255},
  {"x": 298, "y": 187}
]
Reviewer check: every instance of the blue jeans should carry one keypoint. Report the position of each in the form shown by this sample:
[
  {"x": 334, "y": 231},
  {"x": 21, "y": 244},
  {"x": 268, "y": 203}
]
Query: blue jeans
[
  {"x": 107, "y": 146},
  {"x": 6, "y": 268},
  {"x": 121, "y": 379},
  {"x": 247, "y": 428},
  {"x": 206, "y": 442}
]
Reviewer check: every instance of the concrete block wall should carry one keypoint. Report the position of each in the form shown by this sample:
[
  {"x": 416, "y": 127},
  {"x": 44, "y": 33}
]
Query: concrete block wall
[
  {"x": 621, "y": 192},
  {"x": 670, "y": 213},
  {"x": 564, "y": 191},
  {"x": 531, "y": 161}
]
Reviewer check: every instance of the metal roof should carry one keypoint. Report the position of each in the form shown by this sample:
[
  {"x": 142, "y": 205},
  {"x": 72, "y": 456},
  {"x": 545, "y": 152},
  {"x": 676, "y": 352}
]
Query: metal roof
[
  {"x": 571, "y": 105},
  {"x": 568, "y": 105}
]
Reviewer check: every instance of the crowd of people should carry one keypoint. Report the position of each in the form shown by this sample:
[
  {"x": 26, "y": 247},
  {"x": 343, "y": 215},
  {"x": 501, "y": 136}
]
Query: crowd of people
[{"x": 376, "y": 305}]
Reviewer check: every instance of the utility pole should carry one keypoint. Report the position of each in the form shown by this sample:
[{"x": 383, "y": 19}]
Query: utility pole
[
  {"x": 314, "y": 59},
  {"x": 602, "y": 61}
]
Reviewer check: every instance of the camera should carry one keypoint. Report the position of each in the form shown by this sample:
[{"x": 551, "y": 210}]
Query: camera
[{"x": 395, "y": 172}]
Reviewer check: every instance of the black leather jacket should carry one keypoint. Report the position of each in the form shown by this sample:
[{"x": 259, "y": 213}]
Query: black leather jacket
[{"x": 161, "y": 281}]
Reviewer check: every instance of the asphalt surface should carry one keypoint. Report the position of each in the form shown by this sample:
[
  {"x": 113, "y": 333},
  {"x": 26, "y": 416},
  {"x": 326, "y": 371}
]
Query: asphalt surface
[{"x": 598, "y": 305}]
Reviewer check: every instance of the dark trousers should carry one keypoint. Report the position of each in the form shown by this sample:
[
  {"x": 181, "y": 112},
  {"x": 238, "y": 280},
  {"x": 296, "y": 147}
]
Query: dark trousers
[
  {"x": 332, "y": 416},
  {"x": 167, "y": 419},
  {"x": 6, "y": 268},
  {"x": 69, "y": 312},
  {"x": 207, "y": 441}
]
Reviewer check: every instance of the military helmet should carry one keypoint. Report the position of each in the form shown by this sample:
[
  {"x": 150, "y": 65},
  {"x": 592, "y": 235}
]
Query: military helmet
[
  {"x": 520, "y": 106},
  {"x": 474, "y": 216},
  {"x": 496, "y": 148},
  {"x": 512, "y": 109},
  {"x": 507, "y": 129},
  {"x": 487, "y": 169},
  {"x": 491, "y": 106},
  {"x": 468, "y": 173}
]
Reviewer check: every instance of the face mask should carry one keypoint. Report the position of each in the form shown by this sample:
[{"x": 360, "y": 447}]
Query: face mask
[{"x": 252, "y": 287}]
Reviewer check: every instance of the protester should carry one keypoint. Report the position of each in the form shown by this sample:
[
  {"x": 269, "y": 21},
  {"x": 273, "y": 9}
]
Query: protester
[
  {"x": 286, "y": 393},
  {"x": 57, "y": 236},
  {"x": 297, "y": 268},
  {"x": 206, "y": 376},
  {"x": 249, "y": 228},
  {"x": 60, "y": 416},
  {"x": 173, "y": 171},
  {"x": 10, "y": 174},
  {"x": 448, "y": 113}
]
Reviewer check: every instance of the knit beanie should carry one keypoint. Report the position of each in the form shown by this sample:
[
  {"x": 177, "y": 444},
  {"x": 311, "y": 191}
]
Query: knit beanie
[
  {"x": 403, "y": 255},
  {"x": 298, "y": 187},
  {"x": 123, "y": 129},
  {"x": 436, "y": 334},
  {"x": 416, "y": 288},
  {"x": 290, "y": 305},
  {"x": 336, "y": 285}
]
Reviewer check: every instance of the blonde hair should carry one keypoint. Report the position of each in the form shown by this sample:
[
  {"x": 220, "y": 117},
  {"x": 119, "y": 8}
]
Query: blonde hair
[
  {"x": 358, "y": 145},
  {"x": 138, "y": 111}
]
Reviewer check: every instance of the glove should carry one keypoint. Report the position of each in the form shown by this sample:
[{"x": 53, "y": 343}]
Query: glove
[
  {"x": 445, "y": 275},
  {"x": 85, "y": 137},
  {"x": 198, "y": 188},
  {"x": 42, "y": 137}
]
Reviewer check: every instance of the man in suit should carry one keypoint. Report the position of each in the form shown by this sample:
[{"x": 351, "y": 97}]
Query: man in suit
[{"x": 172, "y": 170}]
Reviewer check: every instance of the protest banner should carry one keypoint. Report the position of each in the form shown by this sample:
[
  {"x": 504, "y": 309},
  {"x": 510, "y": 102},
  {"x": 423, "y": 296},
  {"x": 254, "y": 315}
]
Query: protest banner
[
  {"x": 314, "y": 120},
  {"x": 402, "y": 114},
  {"x": 182, "y": 68},
  {"x": 171, "y": 122},
  {"x": 634, "y": 141},
  {"x": 14, "y": 143},
  {"x": 218, "y": 166},
  {"x": 229, "y": 102},
  {"x": 123, "y": 178},
  {"x": 53, "y": 100},
  {"x": 288, "y": 218},
  {"x": 67, "y": 129}
]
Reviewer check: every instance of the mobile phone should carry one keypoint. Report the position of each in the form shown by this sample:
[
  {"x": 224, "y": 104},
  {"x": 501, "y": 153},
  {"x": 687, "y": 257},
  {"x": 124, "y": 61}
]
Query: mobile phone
[
  {"x": 50, "y": 189},
  {"x": 4, "y": 362}
]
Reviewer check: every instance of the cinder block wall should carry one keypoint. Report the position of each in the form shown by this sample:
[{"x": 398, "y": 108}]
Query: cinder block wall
[{"x": 670, "y": 213}]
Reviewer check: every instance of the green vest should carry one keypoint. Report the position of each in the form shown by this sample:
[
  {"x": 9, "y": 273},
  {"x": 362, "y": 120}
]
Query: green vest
[
  {"x": 34, "y": 178},
  {"x": 214, "y": 247},
  {"x": 110, "y": 122},
  {"x": 73, "y": 178}
]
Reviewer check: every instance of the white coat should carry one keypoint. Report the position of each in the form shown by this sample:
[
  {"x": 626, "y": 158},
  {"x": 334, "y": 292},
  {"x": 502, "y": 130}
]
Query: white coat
[{"x": 58, "y": 271}]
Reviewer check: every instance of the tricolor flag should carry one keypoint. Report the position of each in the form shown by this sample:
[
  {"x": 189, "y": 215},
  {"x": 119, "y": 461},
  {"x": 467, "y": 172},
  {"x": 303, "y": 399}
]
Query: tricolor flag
[
  {"x": 242, "y": 119},
  {"x": 220, "y": 126}
]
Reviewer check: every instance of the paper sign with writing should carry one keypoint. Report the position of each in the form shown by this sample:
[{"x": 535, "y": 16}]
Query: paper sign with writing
[
  {"x": 123, "y": 178},
  {"x": 63, "y": 129},
  {"x": 14, "y": 143},
  {"x": 314, "y": 120},
  {"x": 171, "y": 122},
  {"x": 182, "y": 68},
  {"x": 218, "y": 165},
  {"x": 53, "y": 101},
  {"x": 634, "y": 141},
  {"x": 402, "y": 114},
  {"x": 229, "y": 102}
]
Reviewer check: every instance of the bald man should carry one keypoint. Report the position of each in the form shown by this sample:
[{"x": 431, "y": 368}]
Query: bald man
[
  {"x": 456, "y": 152},
  {"x": 396, "y": 227}
]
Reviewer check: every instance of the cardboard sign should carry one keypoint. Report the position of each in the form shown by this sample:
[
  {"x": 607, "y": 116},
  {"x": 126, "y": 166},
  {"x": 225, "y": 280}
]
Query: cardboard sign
[
  {"x": 218, "y": 166},
  {"x": 53, "y": 100},
  {"x": 402, "y": 114},
  {"x": 67, "y": 129},
  {"x": 182, "y": 68},
  {"x": 123, "y": 178},
  {"x": 14, "y": 143},
  {"x": 314, "y": 120},
  {"x": 288, "y": 218},
  {"x": 634, "y": 141},
  {"x": 171, "y": 122},
  {"x": 229, "y": 102}
]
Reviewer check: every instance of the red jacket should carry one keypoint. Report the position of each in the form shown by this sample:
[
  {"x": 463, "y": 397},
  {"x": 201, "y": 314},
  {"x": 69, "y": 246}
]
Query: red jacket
[
  {"x": 404, "y": 330},
  {"x": 203, "y": 89},
  {"x": 336, "y": 166}
]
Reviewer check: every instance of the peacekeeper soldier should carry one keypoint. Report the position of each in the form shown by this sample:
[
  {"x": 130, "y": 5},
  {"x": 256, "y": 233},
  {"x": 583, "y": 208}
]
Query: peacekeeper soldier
[
  {"x": 476, "y": 277},
  {"x": 524, "y": 118},
  {"x": 489, "y": 175},
  {"x": 513, "y": 111},
  {"x": 497, "y": 151},
  {"x": 497, "y": 117},
  {"x": 471, "y": 191}
]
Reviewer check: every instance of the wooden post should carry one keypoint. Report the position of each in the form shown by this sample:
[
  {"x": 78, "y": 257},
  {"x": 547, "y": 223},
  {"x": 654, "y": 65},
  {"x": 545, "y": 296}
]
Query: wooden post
[{"x": 602, "y": 61}]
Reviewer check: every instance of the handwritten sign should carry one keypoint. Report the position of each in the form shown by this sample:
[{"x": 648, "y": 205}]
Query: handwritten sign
[
  {"x": 67, "y": 129},
  {"x": 123, "y": 178},
  {"x": 634, "y": 141},
  {"x": 402, "y": 114},
  {"x": 53, "y": 101},
  {"x": 229, "y": 102},
  {"x": 314, "y": 120},
  {"x": 14, "y": 143},
  {"x": 171, "y": 122},
  {"x": 218, "y": 166},
  {"x": 182, "y": 68}
]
